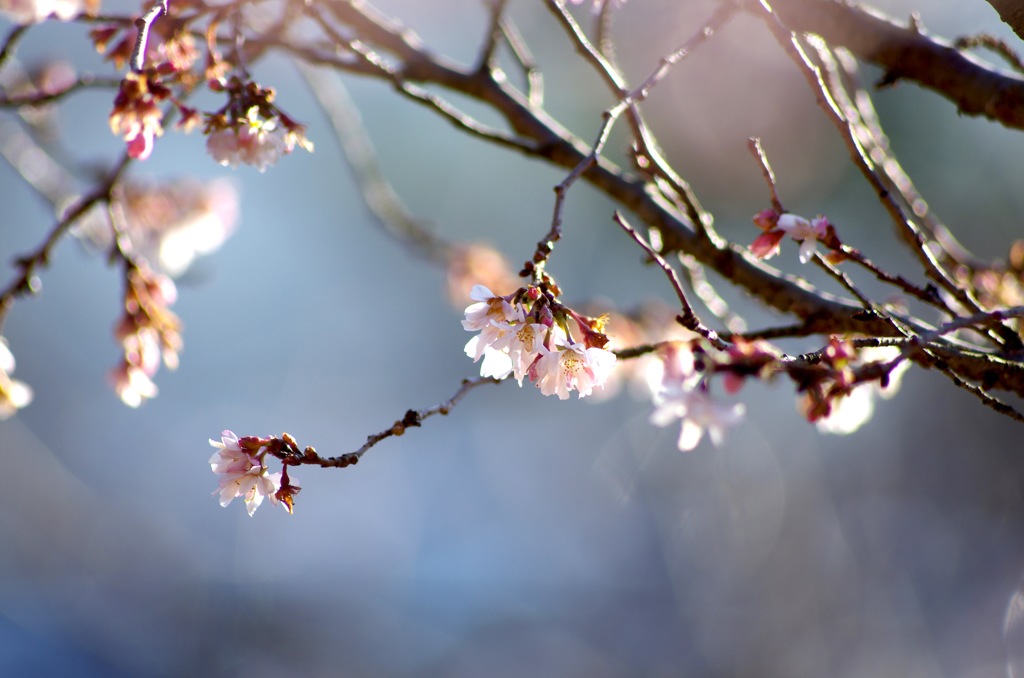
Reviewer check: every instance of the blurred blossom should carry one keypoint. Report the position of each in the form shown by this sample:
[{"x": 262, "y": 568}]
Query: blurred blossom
[
  {"x": 698, "y": 413},
  {"x": 855, "y": 409},
  {"x": 473, "y": 264},
  {"x": 13, "y": 394},
  {"x": 34, "y": 11},
  {"x": 171, "y": 223}
]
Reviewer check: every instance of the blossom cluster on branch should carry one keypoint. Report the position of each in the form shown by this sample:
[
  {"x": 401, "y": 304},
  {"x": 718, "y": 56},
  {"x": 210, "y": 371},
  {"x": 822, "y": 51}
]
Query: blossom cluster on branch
[{"x": 952, "y": 312}]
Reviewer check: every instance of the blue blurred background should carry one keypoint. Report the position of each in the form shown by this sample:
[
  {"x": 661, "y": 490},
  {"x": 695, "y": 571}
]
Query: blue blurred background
[{"x": 520, "y": 535}]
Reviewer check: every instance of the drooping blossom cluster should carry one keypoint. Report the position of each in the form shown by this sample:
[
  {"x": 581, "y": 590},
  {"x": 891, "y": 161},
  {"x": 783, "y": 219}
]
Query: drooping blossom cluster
[
  {"x": 136, "y": 115},
  {"x": 808, "y": 233},
  {"x": 149, "y": 334},
  {"x": 169, "y": 223},
  {"x": 241, "y": 466},
  {"x": 250, "y": 129},
  {"x": 14, "y": 394},
  {"x": 530, "y": 334}
]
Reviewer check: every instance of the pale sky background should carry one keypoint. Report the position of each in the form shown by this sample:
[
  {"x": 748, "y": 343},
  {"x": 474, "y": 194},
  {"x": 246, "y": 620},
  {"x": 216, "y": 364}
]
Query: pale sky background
[{"x": 520, "y": 535}]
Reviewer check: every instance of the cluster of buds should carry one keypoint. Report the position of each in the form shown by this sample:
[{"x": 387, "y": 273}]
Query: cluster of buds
[
  {"x": 808, "y": 233},
  {"x": 241, "y": 465},
  {"x": 149, "y": 334},
  {"x": 250, "y": 129},
  {"x": 14, "y": 394},
  {"x": 530, "y": 334},
  {"x": 137, "y": 116}
]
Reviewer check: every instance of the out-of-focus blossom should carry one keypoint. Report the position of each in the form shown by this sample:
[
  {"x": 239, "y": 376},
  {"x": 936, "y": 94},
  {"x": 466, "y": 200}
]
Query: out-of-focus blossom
[
  {"x": 254, "y": 140},
  {"x": 34, "y": 11},
  {"x": 698, "y": 414},
  {"x": 149, "y": 334},
  {"x": 14, "y": 394},
  {"x": 472, "y": 264},
  {"x": 851, "y": 411},
  {"x": 136, "y": 115},
  {"x": 170, "y": 223}
]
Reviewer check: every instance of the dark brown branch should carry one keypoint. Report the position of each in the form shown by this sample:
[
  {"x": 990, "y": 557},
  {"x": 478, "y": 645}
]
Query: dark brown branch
[
  {"x": 290, "y": 455},
  {"x": 905, "y": 53},
  {"x": 1012, "y": 14}
]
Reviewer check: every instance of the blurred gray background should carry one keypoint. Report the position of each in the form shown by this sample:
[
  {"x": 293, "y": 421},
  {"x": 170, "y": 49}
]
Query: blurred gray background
[{"x": 520, "y": 535}]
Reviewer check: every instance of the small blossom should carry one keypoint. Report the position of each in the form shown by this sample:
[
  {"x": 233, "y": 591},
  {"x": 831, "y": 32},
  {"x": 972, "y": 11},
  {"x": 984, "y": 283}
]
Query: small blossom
[
  {"x": 807, "y": 233},
  {"x": 14, "y": 394},
  {"x": 572, "y": 366}
]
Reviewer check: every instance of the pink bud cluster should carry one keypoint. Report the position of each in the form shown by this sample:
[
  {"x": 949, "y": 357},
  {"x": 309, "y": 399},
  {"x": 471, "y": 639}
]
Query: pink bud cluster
[
  {"x": 149, "y": 334},
  {"x": 529, "y": 334},
  {"x": 241, "y": 466}
]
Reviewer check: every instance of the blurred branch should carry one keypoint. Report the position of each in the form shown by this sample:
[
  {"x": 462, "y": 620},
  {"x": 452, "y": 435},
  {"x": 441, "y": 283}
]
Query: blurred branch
[
  {"x": 378, "y": 194},
  {"x": 1012, "y": 14},
  {"x": 26, "y": 282},
  {"x": 906, "y": 52}
]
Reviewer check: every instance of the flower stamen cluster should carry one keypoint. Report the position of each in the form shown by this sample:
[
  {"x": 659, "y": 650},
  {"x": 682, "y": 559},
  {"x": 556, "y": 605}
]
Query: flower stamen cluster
[{"x": 526, "y": 334}]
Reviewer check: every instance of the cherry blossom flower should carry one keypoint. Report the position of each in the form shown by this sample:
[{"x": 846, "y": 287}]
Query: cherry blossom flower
[
  {"x": 14, "y": 394},
  {"x": 571, "y": 366},
  {"x": 492, "y": 316},
  {"x": 698, "y": 413},
  {"x": 242, "y": 474},
  {"x": 807, "y": 233},
  {"x": 255, "y": 141}
]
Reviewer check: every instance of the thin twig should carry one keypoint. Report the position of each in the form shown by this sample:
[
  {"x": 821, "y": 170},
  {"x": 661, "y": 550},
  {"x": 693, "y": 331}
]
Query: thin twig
[
  {"x": 290, "y": 455},
  {"x": 688, "y": 318},
  {"x": 754, "y": 146},
  {"x": 10, "y": 44},
  {"x": 26, "y": 282}
]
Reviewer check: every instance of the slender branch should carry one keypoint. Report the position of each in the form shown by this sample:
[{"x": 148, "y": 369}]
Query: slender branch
[
  {"x": 26, "y": 282},
  {"x": 290, "y": 455},
  {"x": 907, "y": 52},
  {"x": 754, "y": 146},
  {"x": 41, "y": 98},
  {"x": 10, "y": 44},
  {"x": 688, "y": 319}
]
